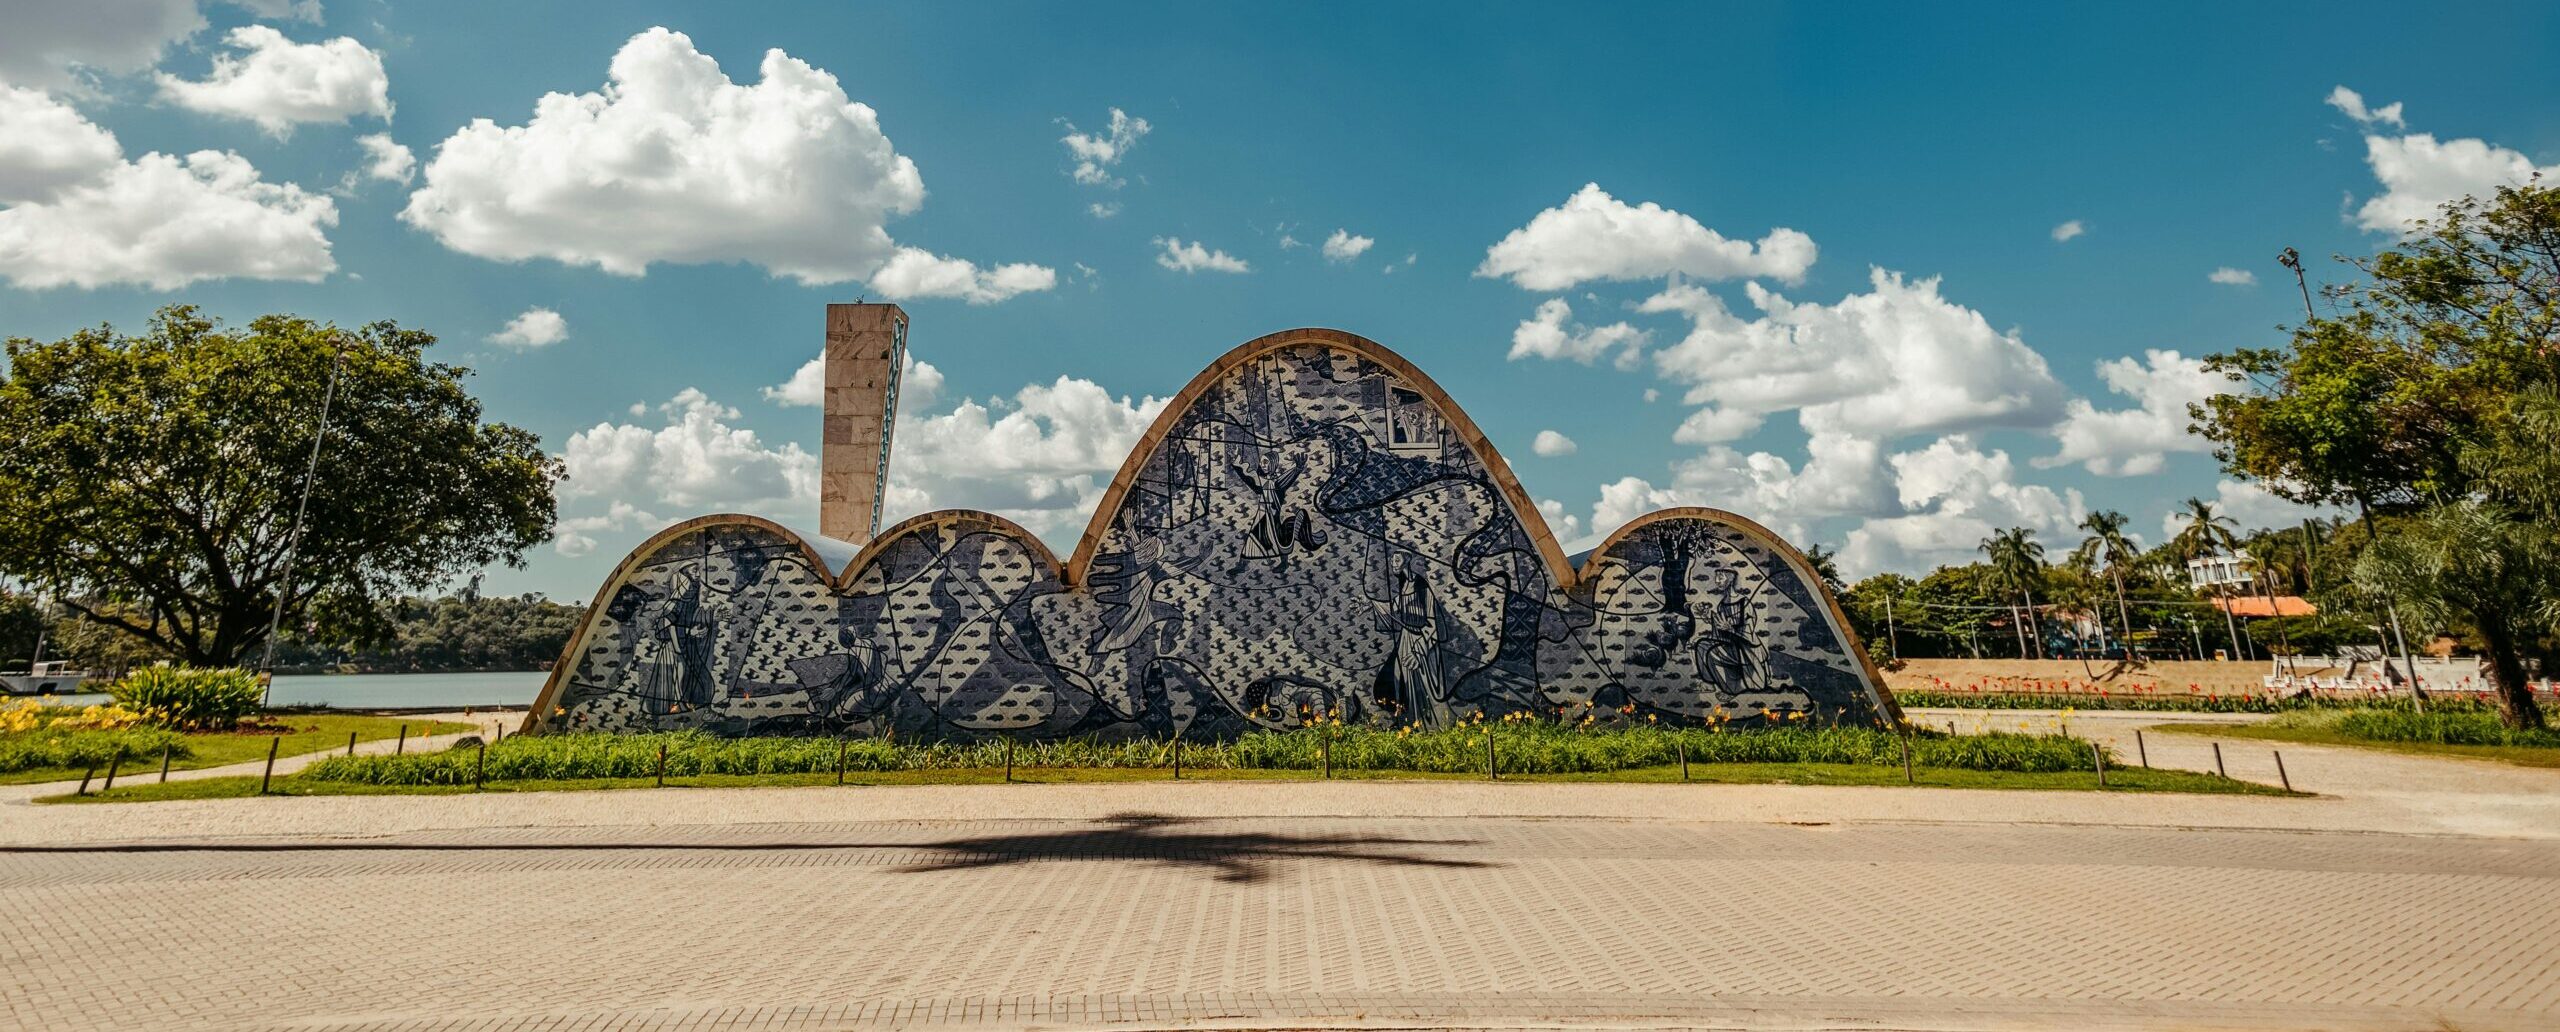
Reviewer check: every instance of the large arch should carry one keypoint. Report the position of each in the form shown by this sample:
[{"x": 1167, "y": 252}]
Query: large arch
[{"x": 1310, "y": 524}]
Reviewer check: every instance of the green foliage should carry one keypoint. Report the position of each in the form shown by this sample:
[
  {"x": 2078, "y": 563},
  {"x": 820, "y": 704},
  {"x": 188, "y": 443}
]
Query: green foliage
[
  {"x": 2439, "y": 725},
  {"x": 76, "y": 749},
  {"x": 152, "y": 480},
  {"x": 1520, "y": 747},
  {"x": 2471, "y": 560},
  {"x": 189, "y": 698},
  {"x": 466, "y": 633},
  {"x": 20, "y": 624}
]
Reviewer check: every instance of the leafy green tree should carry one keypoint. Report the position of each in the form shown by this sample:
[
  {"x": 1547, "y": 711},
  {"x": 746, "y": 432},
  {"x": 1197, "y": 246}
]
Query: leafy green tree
[
  {"x": 2473, "y": 561},
  {"x": 2374, "y": 407},
  {"x": 21, "y": 623},
  {"x": 151, "y": 480}
]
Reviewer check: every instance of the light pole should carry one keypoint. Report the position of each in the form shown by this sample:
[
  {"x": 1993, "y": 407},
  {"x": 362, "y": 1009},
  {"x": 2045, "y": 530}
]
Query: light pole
[
  {"x": 2292, "y": 259},
  {"x": 293, "y": 543}
]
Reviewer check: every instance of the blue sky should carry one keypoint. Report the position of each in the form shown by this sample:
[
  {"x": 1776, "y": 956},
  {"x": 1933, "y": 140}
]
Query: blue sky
[{"x": 1895, "y": 415}]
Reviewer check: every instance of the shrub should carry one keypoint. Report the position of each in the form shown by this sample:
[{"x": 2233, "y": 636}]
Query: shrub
[
  {"x": 1521, "y": 747},
  {"x": 2442, "y": 725},
  {"x": 193, "y": 699},
  {"x": 56, "y": 746}
]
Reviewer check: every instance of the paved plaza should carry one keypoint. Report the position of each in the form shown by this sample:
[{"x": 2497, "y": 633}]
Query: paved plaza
[{"x": 1409, "y": 905}]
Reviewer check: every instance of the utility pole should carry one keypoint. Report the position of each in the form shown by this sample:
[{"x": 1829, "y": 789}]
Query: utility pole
[
  {"x": 293, "y": 543},
  {"x": 1893, "y": 644}
]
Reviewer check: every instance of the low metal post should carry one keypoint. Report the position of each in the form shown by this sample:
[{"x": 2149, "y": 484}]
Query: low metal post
[
  {"x": 1908, "y": 777},
  {"x": 1008, "y": 759},
  {"x": 1177, "y": 757},
  {"x": 115, "y": 761},
  {"x": 402, "y": 745},
  {"x": 1324, "y": 752},
  {"x": 2099, "y": 758},
  {"x": 351, "y": 743},
  {"x": 662, "y": 763},
  {"x": 840, "y": 748},
  {"x": 2140, "y": 749},
  {"x": 1491, "y": 772},
  {"x": 86, "y": 774},
  {"x": 2217, "y": 761},
  {"x": 164, "y": 764},
  {"x": 263, "y": 779},
  {"x": 2280, "y": 774},
  {"x": 1682, "y": 745},
  {"x": 480, "y": 767}
]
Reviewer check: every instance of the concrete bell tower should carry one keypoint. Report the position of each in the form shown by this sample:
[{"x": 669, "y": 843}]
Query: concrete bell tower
[{"x": 866, "y": 351}]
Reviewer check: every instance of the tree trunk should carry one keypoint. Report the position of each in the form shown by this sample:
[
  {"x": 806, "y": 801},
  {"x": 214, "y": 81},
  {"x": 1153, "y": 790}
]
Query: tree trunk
[
  {"x": 2019, "y": 624},
  {"x": 2229, "y": 624},
  {"x": 2123, "y": 619},
  {"x": 2516, "y": 706},
  {"x": 2038, "y": 626}
]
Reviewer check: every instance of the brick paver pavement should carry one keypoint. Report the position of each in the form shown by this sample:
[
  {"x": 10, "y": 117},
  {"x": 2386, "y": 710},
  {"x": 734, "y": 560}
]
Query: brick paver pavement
[{"x": 1287, "y": 921}]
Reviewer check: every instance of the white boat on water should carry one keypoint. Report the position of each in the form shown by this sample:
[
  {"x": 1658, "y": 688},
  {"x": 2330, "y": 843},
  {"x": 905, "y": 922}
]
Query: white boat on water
[{"x": 47, "y": 679}]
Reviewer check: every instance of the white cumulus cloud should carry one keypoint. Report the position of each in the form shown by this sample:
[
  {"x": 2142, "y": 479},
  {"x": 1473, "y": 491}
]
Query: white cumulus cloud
[
  {"x": 2069, "y": 230},
  {"x": 1594, "y": 236},
  {"x": 1096, "y": 153},
  {"x": 2231, "y": 277},
  {"x": 2420, "y": 173},
  {"x": 918, "y": 385},
  {"x": 914, "y": 273},
  {"x": 386, "y": 159},
  {"x": 1899, "y": 359},
  {"x": 1041, "y": 458},
  {"x": 2136, "y": 441},
  {"x": 1552, "y": 444},
  {"x": 1343, "y": 246},
  {"x": 536, "y": 327},
  {"x": 1549, "y": 333},
  {"x": 576, "y": 535},
  {"x": 46, "y": 45},
  {"x": 696, "y": 460},
  {"x": 670, "y": 161},
  {"x": 1194, "y": 257},
  {"x": 1953, "y": 494},
  {"x": 81, "y": 215},
  {"x": 45, "y": 146},
  {"x": 2351, "y": 103},
  {"x": 279, "y": 83}
]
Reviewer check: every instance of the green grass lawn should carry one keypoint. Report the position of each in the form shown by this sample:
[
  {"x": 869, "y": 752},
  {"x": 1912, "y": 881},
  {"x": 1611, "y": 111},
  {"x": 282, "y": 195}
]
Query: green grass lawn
[
  {"x": 2130, "y": 779},
  {"x": 2520, "y": 755},
  {"x": 312, "y": 732}
]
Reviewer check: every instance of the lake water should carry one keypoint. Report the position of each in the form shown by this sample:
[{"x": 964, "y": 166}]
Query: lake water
[{"x": 394, "y": 691}]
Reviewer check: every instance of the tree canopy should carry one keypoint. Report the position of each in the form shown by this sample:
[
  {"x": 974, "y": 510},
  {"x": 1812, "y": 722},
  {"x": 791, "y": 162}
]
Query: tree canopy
[{"x": 152, "y": 479}]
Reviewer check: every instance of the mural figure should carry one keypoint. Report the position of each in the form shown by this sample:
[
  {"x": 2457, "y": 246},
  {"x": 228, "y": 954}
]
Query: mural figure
[{"x": 1315, "y": 529}]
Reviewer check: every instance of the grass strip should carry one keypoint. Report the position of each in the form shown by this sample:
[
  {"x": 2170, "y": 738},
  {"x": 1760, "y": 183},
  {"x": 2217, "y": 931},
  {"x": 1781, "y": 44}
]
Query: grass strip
[
  {"x": 308, "y": 733},
  {"x": 2133, "y": 779}
]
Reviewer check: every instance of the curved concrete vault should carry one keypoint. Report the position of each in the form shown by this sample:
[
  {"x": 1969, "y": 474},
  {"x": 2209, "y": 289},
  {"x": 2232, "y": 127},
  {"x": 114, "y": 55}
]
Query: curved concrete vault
[{"x": 1310, "y": 526}]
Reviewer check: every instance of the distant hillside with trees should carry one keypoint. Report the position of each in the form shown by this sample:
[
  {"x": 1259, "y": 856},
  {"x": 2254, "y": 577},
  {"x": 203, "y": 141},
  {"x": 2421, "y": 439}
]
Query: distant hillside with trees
[{"x": 423, "y": 635}]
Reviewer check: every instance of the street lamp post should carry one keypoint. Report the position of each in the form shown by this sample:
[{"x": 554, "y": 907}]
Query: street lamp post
[{"x": 293, "y": 543}]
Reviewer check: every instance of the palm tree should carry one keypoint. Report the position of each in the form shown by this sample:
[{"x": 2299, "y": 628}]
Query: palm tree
[
  {"x": 2113, "y": 550},
  {"x": 1826, "y": 565},
  {"x": 2209, "y": 533},
  {"x": 2017, "y": 560}
]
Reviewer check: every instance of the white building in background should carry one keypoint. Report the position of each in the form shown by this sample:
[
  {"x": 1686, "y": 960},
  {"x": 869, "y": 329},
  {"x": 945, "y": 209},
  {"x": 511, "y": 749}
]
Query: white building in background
[{"x": 2215, "y": 571}]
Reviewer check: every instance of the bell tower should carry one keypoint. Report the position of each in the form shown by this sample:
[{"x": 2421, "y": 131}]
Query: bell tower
[{"x": 866, "y": 351}]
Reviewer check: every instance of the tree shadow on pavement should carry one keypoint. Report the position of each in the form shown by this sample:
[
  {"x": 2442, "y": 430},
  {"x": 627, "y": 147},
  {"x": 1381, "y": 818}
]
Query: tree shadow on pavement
[{"x": 1234, "y": 856}]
